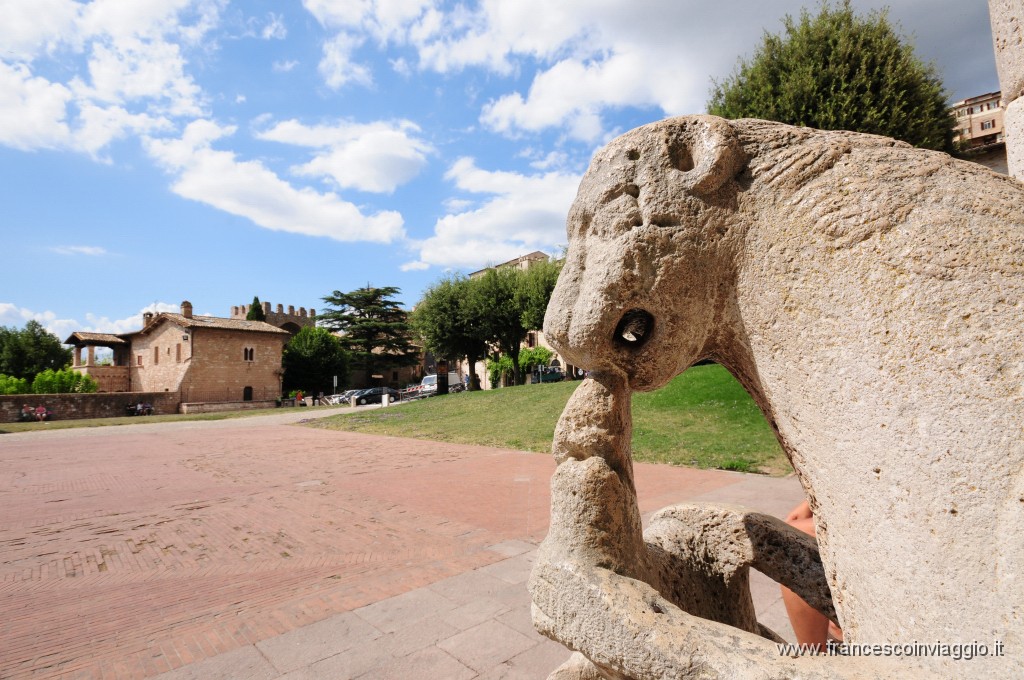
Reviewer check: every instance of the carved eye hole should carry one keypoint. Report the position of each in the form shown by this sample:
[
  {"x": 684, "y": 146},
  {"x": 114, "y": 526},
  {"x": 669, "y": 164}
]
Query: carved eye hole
[
  {"x": 680, "y": 156},
  {"x": 633, "y": 155},
  {"x": 634, "y": 328}
]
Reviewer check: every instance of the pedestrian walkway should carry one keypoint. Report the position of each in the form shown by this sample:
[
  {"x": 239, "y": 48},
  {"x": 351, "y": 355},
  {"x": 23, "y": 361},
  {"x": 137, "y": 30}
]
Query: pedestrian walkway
[{"x": 251, "y": 549}]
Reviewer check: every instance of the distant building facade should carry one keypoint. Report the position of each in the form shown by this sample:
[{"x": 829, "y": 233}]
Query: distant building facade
[
  {"x": 202, "y": 358},
  {"x": 979, "y": 121},
  {"x": 979, "y": 133}
]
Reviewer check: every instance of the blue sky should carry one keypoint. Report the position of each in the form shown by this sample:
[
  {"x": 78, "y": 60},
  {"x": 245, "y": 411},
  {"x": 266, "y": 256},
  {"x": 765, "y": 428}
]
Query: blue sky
[{"x": 159, "y": 150}]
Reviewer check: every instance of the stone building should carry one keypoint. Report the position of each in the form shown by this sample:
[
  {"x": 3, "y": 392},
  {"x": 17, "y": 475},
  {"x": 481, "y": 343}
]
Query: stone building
[{"x": 202, "y": 358}]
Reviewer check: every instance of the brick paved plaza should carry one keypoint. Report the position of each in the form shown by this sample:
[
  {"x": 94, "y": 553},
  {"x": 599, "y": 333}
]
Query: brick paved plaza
[{"x": 132, "y": 551}]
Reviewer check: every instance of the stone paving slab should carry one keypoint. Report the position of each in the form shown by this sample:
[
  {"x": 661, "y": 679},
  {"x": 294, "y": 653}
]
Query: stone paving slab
[{"x": 251, "y": 548}]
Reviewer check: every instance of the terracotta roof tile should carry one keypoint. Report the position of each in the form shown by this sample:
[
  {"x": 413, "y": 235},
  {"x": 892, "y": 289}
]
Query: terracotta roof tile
[
  {"x": 224, "y": 324},
  {"x": 80, "y": 337}
]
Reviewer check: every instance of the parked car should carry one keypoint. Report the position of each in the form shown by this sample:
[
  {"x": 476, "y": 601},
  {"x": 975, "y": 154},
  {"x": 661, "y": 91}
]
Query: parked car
[
  {"x": 375, "y": 395},
  {"x": 341, "y": 398},
  {"x": 545, "y": 374}
]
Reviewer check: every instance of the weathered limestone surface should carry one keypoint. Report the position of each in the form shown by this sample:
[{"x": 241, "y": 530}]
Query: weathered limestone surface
[
  {"x": 1013, "y": 128},
  {"x": 870, "y": 296},
  {"x": 1008, "y": 39},
  {"x": 1007, "y": 18}
]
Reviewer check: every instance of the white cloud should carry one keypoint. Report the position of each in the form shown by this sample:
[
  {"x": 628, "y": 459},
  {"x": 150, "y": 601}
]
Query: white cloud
[
  {"x": 284, "y": 66},
  {"x": 141, "y": 70},
  {"x": 99, "y": 126},
  {"x": 523, "y": 213},
  {"x": 337, "y": 67},
  {"x": 588, "y": 55},
  {"x": 126, "y": 70},
  {"x": 375, "y": 157},
  {"x": 414, "y": 266},
  {"x": 31, "y": 27},
  {"x": 79, "y": 250},
  {"x": 12, "y": 315},
  {"x": 32, "y": 110},
  {"x": 275, "y": 28},
  {"x": 248, "y": 189}
]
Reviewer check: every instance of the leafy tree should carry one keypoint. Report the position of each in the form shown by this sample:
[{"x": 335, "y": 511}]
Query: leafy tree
[
  {"x": 9, "y": 385},
  {"x": 256, "y": 312},
  {"x": 63, "y": 381},
  {"x": 497, "y": 302},
  {"x": 311, "y": 360},
  {"x": 839, "y": 71},
  {"x": 375, "y": 331},
  {"x": 532, "y": 357},
  {"x": 25, "y": 353},
  {"x": 534, "y": 291},
  {"x": 450, "y": 325}
]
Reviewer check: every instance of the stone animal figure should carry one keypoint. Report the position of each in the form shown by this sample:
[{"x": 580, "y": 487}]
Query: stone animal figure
[{"x": 870, "y": 297}]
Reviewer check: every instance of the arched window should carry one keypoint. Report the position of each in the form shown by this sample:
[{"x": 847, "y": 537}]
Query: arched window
[{"x": 249, "y": 354}]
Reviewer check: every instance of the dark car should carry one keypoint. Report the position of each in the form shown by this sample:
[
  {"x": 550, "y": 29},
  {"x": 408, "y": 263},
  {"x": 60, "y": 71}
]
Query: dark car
[{"x": 374, "y": 395}]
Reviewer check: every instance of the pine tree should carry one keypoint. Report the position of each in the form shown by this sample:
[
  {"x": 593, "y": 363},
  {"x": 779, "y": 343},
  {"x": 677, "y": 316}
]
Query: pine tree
[{"x": 375, "y": 330}]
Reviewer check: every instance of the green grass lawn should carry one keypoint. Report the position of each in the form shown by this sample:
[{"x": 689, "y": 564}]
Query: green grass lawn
[{"x": 703, "y": 418}]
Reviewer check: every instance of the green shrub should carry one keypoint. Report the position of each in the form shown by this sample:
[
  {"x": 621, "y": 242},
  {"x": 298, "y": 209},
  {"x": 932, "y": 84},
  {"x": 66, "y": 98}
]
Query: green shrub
[
  {"x": 11, "y": 385},
  {"x": 63, "y": 381}
]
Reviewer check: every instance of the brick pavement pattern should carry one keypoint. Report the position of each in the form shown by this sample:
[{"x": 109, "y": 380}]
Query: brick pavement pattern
[{"x": 133, "y": 551}]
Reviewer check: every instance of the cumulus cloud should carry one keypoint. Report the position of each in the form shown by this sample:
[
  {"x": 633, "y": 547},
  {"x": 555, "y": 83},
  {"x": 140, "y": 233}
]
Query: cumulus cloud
[
  {"x": 33, "y": 111},
  {"x": 375, "y": 157},
  {"x": 94, "y": 251},
  {"x": 338, "y": 68},
  {"x": 125, "y": 66},
  {"x": 518, "y": 213},
  {"x": 251, "y": 190},
  {"x": 13, "y": 315}
]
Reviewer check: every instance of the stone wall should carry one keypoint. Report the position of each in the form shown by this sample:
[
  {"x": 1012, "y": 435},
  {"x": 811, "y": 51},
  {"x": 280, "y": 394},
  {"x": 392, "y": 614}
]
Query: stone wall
[
  {"x": 217, "y": 406},
  {"x": 161, "y": 359},
  {"x": 79, "y": 406},
  {"x": 221, "y": 372}
]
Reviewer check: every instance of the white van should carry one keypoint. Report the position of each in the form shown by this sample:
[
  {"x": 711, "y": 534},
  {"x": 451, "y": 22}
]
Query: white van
[{"x": 428, "y": 386}]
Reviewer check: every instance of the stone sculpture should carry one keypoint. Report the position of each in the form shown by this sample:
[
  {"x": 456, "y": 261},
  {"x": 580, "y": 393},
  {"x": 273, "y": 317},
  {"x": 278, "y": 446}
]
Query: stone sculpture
[
  {"x": 1008, "y": 39},
  {"x": 870, "y": 297}
]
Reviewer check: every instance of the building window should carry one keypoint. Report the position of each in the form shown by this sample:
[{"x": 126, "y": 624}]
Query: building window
[
  {"x": 531, "y": 339},
  {"x": 248, "y": 354},
  {"x": 156, "y": 356},
  {"x": 988, "y": 125},
  {"x": 177, "y": 353},
  {"x": 139, "y": 360}
]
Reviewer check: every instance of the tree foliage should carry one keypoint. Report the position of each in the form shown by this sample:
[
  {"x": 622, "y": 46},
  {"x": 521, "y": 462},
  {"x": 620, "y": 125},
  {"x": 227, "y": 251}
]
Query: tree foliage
[
  {"x": 533, "y": 357},
  {"x": 29, "y": 351},
  {"x": 460, "y": 317},
  {"x": 840, "y": 71},
  {"x": 63, "y": 381},
  {"x": 311, "y": 360},
  {"x": 375, "y": 331},
  {"x": 256, "y": 312},
  {"x": 450, "y": 323},
  {"x": 534, "y": 291}
]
